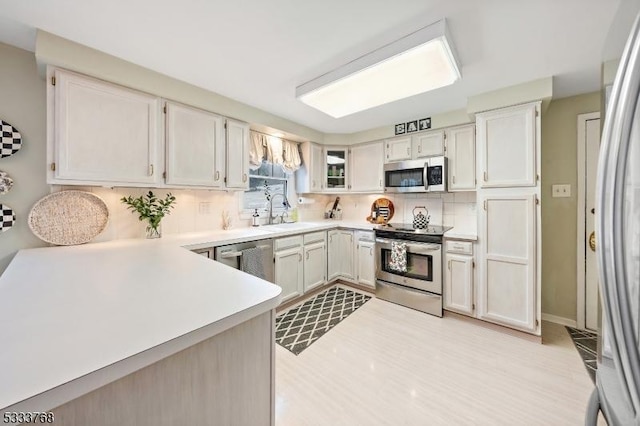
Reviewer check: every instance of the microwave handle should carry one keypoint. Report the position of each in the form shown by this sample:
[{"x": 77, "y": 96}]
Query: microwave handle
[{"x": 425, "y": 175}]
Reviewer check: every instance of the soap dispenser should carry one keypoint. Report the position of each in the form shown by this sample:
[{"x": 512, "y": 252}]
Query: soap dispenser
[{"x": 255, "y": 218}]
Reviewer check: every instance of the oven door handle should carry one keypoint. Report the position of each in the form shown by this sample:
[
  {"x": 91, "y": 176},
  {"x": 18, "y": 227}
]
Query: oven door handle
[{"x": 413, "y": 247}]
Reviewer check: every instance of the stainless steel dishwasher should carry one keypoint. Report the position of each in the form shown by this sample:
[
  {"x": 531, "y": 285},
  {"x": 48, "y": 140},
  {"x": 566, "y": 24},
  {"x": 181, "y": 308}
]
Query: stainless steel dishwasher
[{"x": 232, "y": 255}]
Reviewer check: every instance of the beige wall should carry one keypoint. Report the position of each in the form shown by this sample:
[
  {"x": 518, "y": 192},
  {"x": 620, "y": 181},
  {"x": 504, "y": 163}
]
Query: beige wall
[
  {"x": 559, "y": 217},
  {"x": 23, "y": 105}
]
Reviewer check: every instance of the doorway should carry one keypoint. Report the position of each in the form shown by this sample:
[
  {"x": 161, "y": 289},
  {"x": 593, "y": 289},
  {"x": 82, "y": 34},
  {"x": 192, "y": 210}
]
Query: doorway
[{"x": 588, "y": 144}]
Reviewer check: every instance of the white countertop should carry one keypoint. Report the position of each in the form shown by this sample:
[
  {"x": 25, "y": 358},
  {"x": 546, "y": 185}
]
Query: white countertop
[
  {"x": 66, "y": 313},
  {"x": 73, "y": 319}
]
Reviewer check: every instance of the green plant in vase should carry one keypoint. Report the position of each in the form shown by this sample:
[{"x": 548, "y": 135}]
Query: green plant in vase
[{"x": 152, "y": 209}]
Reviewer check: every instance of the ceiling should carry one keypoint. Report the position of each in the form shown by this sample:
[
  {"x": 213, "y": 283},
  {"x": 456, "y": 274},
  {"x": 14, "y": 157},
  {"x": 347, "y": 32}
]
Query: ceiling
[{"x": 257, "y": 51}]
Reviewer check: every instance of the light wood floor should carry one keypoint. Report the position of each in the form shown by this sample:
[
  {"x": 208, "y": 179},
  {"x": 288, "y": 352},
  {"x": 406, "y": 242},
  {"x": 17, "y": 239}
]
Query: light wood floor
[{"x": 390, "y": 365}]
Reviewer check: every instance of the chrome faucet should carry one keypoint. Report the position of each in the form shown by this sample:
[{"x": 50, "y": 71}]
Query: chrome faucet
[{"x": 285, "y": 203}]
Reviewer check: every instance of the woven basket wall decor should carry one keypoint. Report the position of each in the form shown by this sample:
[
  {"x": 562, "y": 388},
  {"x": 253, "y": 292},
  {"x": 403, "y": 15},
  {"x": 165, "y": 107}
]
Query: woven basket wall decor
[{"x": 68, "y": 217}]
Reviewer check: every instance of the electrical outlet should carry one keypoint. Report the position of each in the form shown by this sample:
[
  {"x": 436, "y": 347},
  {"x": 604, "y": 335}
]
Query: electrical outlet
[
  {"x": 560, "y": 191},
  {"x": 204, "y": 207}
]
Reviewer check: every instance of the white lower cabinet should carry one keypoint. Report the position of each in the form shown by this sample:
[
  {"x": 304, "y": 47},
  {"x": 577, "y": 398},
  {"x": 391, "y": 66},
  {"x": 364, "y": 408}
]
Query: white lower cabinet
[
  {"x": 458, "y": 284},
  {"x": 340, "y": 255},
  {"x": 508, "y": 284},
  {"x": 365, "y": 259},
  {"x": 300, "y": 263},
  {"x": 289, "y": 266},
  {"x": 315, "y": 260}
]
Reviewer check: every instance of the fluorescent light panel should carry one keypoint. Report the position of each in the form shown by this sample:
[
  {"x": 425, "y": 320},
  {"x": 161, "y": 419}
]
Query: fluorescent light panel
[{"x": 417, "y": 63}]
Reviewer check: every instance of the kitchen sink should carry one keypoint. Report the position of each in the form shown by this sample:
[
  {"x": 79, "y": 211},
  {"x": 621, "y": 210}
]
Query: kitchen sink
[{"x": 290, "y": 226}]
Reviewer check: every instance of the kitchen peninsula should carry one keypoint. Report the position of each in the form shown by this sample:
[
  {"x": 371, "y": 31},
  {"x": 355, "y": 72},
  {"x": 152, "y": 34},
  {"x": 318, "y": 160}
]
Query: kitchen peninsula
[{"x": 135, "y": 332}]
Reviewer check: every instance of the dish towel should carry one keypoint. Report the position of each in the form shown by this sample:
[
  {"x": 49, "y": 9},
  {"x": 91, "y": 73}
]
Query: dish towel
[
  {"x": 252, "y": 262},
  {"x": 398, "y": 260}
]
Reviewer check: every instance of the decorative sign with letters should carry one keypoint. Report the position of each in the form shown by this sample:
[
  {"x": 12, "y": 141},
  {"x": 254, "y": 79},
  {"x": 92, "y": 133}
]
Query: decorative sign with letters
[{"x": 413, "y": 126}]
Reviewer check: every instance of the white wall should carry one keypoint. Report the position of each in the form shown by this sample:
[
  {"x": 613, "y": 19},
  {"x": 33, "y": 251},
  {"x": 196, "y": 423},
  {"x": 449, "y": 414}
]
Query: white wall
[{"x": 22, "y": 93}]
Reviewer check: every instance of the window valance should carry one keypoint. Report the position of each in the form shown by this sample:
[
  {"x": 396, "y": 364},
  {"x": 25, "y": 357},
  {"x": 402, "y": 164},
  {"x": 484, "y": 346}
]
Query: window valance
[{"x": 274, "y": 150}]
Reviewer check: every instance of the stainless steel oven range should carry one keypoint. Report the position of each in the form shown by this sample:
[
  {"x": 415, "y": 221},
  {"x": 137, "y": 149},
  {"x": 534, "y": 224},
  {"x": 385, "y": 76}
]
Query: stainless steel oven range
[{"x": 419, "y": 285}]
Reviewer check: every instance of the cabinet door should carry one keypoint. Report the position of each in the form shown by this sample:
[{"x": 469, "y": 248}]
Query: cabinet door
[
  {"x": 428, "y": 144},
  {"x": 337, "y": 168},
  {"x": 347, "y": 267},
  {"x": 317, "y": 168},
  {"x": 334, "y": 253},
  {"x": 289, "y": 272},
  {"x": 458, "y": 284},
  {"x": 398, "y": 149},
  {"x": 237, "y": 147},
  {"x": 461, "y": 152},
  {"x": 315, "y": 265},
  {"x": 195, "y": 146},
  {"x": 366, "y": 167},
  {"x": 104, "y": 133},
  {"x": 507, "y": 287},
  {"x": 365, "y": 264},
  {"x": 507, "y": 146}
]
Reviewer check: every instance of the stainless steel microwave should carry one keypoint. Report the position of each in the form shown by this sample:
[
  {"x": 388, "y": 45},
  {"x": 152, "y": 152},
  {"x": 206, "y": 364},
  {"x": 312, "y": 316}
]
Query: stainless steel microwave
[{"x": 426, "y": 175}]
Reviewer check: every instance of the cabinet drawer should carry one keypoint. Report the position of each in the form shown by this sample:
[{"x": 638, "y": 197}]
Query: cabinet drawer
[
  {"x": 366, "y": 236},
  {"x": 287, "y": 243},
  {"x": 314, "y": 237},
  {"x": 463, "y": 247}
]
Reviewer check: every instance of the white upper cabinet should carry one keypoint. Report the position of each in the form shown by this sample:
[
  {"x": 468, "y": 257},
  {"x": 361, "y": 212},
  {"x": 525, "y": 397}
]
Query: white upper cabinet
[
  {"x": 310, "y": 175},
  {"x": 398, "y": 149},
  {"x": 367, "y": 163},
  {"x": 461, "y": 153},
  {"x": 195, "y": 147},
  {"x": 507, "y": 285},
  {"x": 237, "y": 164},
  {"x": 418, "y": 145},
  {"x": 428, "y": 144},
  {"x": 100, "y": 133},
  {"x": 336, "y": 169},
  {"x": 507, "y": 142}
]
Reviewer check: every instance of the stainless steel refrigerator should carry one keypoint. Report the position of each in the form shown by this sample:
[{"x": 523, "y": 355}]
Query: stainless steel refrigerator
[{"x": 617, "y": 392}]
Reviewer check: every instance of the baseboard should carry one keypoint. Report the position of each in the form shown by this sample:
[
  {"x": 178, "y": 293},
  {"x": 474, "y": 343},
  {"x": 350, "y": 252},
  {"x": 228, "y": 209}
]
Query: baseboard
[{"x": 559, "y": 320}]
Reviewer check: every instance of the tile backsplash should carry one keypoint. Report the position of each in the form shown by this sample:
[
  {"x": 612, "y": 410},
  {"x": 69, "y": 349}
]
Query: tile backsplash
[{"x": 201, "y": 210}]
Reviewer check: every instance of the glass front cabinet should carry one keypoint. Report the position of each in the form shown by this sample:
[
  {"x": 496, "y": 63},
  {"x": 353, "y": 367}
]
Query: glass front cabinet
[{"x": 336, "y": 168}]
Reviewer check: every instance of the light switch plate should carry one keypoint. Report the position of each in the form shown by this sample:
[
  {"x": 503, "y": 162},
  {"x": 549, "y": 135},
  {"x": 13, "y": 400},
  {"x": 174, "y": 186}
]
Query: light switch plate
[{"x": 560, "y": 191}]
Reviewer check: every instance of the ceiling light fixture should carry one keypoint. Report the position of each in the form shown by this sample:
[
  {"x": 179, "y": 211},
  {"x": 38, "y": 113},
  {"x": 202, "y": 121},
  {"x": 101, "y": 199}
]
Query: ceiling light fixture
[{"x": 421, "y": 61}]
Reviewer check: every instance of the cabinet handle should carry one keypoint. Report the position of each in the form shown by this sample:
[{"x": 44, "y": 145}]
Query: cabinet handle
[
  {"x": 485, "y": 176},
  {"x": 454, "y": 179},
  {"x": 449, "y": 265},
  {"x": 408, "y": 151},
  {"x": 419, "y": 149},
  {"x": 485, "y": 205},
  {"x": 307, "y": 255},
  {"x": 244, "y": 177},
  {"x": 380, "y": 183},
  {"x": 217, "y": 175},
  {"x": 370, "y": 251},
  {"x": 299, "y": 257},
  {"x": 150, "y": 169}
]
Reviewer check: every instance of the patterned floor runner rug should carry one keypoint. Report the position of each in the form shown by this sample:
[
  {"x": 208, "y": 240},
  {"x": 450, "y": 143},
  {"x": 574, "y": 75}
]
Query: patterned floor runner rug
[
  {"x": 299, "y": 327},
  {"x": 587, "y": 345}
]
